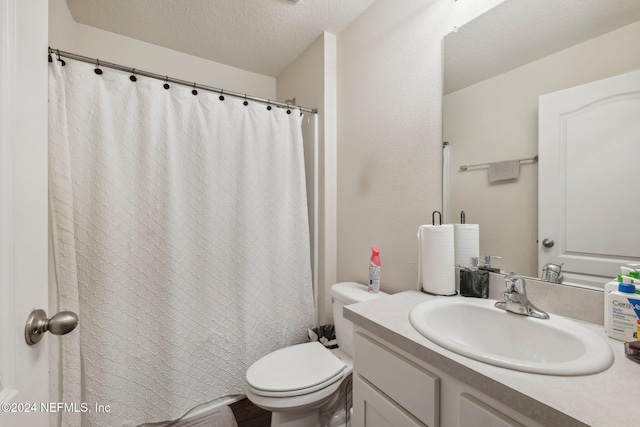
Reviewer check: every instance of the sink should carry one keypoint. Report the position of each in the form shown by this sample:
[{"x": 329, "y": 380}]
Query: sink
[{"x": 475, "y": 328}]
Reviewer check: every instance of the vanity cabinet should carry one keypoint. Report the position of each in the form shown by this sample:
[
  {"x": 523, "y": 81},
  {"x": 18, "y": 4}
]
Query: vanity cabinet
[
  {"x": 388, "y": 387},
  {"x": 392, "y": 388}
]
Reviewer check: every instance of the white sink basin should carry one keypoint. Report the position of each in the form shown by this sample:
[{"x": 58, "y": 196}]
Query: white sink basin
[{"x": 476, "y": 329}]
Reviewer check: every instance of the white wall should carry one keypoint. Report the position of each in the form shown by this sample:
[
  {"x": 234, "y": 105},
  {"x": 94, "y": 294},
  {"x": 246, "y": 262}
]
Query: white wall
[
  {"x": 67, "y": 35},
  {"x": 497, "y": 120},
  {"x": 311, "y": 79},
  {"x": 389, "y": 132}
]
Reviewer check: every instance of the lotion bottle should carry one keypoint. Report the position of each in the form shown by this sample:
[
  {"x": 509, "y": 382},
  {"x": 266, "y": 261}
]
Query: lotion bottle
[
  {"x": 612, "y": 286},
  {"x": 622, "y": 309},
  {"x": 374, "y": 271},
  {"x": 628, "y": 272}
]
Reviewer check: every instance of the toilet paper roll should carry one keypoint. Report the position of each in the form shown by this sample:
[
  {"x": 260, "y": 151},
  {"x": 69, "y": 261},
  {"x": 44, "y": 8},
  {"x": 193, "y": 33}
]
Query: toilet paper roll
[
  {"x": 466, "y": 240},
  {"x": 436, "y": 259}
]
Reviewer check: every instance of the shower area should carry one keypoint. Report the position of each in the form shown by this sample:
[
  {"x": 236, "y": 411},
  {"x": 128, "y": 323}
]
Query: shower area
[{"x": 183, "y": 233}]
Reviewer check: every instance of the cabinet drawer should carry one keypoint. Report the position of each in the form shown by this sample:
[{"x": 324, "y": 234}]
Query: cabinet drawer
[
  {"x": 475, "y": 413},
  {"x": 412, "y": 387}
]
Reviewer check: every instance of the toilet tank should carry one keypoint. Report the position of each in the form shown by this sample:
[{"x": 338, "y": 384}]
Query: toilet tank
[{"x": 342, "y": 294}]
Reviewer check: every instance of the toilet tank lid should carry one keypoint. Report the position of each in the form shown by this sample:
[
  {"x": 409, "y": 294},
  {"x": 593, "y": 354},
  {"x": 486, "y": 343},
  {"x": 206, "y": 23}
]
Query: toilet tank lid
[{"x": 352, "y": 292}]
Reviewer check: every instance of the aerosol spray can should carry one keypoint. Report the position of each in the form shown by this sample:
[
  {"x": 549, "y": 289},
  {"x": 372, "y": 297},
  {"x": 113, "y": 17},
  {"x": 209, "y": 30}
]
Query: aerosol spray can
[{"x": 374, "y": 271}]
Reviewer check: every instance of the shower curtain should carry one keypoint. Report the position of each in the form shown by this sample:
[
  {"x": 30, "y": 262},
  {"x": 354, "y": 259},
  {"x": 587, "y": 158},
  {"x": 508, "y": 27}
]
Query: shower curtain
[{"x": 180, "y": 235}]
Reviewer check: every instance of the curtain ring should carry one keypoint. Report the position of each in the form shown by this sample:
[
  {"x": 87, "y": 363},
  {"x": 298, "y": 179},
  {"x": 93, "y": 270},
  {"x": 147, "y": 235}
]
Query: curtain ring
[
  {"x": 166, "y": 84},
  {"x": 221, "y": 97},
  {"x": 269, "y": 104},
  {"x": 60, "y": 59},
  {"x": 133, "y": 77},
  {"x": 97, "y": 70},
  {"x": 194, "y": 91},
  {"x": 245, "y": 103},
  {"x": 49, "y": 58}
]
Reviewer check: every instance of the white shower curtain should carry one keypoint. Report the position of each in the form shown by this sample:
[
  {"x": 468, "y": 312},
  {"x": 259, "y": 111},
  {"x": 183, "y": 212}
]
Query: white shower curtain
[{"x": 180, "y": 234}]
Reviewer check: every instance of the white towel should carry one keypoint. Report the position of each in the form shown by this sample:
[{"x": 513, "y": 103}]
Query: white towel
[{"x": 500, "y": 171}]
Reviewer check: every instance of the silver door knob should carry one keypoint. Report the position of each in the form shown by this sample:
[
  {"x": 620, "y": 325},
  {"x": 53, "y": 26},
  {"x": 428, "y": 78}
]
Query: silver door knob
[
  {"x": 548, "y": 243},
  {"x": 38, "y": 323}
]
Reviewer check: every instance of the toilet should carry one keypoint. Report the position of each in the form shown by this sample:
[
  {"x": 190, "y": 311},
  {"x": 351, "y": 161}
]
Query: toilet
[{"x": 303, "y": 385}]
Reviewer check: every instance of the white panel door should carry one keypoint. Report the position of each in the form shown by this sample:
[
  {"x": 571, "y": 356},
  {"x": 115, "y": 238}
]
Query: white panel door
[
  {"x": 24, "y": 382},
  {"x": 589, "y": 148}
]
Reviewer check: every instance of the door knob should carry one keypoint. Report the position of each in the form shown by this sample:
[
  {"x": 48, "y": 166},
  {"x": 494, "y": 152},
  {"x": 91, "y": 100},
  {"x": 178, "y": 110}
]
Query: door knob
[
  {"x": 548, "y": 243},
  {"x": 38, "y": 323}
]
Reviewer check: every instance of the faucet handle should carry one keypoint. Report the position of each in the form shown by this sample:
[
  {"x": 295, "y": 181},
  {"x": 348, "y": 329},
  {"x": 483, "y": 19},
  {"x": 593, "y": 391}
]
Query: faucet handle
[
  {"x": 515, "y": 284},
  {"x": 552, "y": 273}
]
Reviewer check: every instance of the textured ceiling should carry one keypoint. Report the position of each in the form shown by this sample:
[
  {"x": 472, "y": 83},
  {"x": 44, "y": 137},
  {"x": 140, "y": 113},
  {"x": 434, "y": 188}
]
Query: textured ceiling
[
  {"x": 517, "y": 32},
  {"x": 263, "y": 36}
]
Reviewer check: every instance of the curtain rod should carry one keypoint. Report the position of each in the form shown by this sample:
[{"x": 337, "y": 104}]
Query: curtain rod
[{"x": 194, "y": 85}]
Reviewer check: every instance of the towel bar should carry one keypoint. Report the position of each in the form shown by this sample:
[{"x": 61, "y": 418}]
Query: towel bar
[{"x": 465, "y": 167}]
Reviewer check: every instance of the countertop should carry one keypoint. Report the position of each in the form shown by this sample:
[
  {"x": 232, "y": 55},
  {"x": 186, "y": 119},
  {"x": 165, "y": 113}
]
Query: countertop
[{"x": 606, "y": 399}]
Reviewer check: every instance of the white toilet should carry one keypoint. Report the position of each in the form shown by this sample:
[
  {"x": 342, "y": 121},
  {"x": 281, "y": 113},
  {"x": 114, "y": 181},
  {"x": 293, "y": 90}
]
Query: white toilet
[{"x": 300, "y": 382}]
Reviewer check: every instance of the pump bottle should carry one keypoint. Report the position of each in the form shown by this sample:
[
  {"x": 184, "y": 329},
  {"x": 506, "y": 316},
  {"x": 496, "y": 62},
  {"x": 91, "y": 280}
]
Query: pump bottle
[
  {"x": 621, "y": 312},
  {"x": 473, "y": 281}
]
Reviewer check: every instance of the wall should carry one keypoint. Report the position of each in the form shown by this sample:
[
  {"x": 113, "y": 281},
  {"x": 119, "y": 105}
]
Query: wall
[
  {"x": 390, "y": 133},
  {"x": 67, "y": 35},
  {"x": 497, "y": 120},
  {"x": 311, "y": 79}
]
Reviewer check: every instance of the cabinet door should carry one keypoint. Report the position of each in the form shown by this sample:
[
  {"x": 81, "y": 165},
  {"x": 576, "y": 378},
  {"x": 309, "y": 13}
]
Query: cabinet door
[
  {"x": 408, "y": 385},
  {"x": 372, "y": 409},
  {"x": 474, "y": 413}
]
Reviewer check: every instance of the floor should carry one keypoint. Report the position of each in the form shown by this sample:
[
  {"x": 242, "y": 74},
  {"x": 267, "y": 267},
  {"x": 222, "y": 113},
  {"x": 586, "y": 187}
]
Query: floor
[{"x": 249, "y": 415}]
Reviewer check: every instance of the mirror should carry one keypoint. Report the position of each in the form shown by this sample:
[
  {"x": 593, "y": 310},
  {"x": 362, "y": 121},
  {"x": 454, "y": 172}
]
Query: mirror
[{"x": 495, "y": 69}]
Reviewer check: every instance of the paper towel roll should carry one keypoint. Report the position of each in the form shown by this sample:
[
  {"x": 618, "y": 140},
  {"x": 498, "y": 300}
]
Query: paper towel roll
[
  {"x": 437, "y": 259},
  {"x": 466, "y": 240}
]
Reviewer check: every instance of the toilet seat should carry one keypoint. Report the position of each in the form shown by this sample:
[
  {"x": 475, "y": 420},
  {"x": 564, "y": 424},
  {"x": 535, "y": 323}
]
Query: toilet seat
[{"x": 294, "y": 371}]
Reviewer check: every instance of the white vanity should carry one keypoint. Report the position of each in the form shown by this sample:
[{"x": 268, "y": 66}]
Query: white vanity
[{"x": 403, "y": 379}]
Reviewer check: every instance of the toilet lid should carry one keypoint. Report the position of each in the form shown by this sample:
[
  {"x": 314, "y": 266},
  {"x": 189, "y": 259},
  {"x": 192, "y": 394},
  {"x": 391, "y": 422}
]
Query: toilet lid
[{"x": 293, "y": 368}]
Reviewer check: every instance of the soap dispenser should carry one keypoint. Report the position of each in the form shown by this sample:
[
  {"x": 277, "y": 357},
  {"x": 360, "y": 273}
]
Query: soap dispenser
[
  {"x": 473, "y": 281},
  {"x": 487, "y": 264}
]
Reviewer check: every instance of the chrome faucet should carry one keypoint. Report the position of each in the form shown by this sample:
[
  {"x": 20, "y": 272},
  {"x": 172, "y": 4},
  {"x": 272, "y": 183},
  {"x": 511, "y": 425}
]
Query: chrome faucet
[
  {"x": 551, "y": 273},
  {"x": 515, "y": 299}
]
